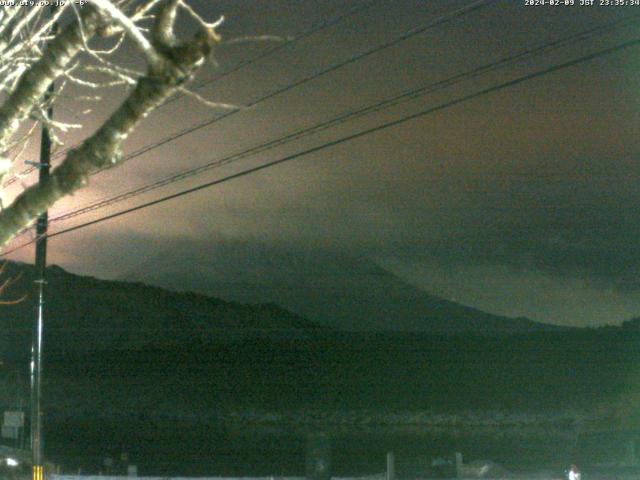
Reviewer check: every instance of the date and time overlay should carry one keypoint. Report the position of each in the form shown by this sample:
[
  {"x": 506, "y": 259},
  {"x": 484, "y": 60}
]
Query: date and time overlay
[
  {"x": 527, "y": 3},
  {"x": 582, "y": 3}
]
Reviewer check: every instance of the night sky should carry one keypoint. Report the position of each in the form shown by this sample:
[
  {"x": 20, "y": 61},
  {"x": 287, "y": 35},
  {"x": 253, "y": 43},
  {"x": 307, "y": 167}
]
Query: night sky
[{"x": 521, "y": 202}]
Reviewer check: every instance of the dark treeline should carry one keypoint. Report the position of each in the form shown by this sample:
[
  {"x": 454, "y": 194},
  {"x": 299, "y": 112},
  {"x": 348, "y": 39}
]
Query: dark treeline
[
  {"x": 160, "y": 404},
  {"x": 534, "y": 372}
]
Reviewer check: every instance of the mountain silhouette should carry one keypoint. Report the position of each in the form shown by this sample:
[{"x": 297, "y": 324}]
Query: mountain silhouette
[
  {"x": 345, "y": 292},
  {"x": 87, "y": 314}
]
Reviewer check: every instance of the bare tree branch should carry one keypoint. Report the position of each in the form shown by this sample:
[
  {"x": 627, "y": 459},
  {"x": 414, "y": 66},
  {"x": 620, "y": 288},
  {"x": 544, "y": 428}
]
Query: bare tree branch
[
  {"x": 34, "y": 82},
  {"x": 6, "y": 284},
  {"x": 175, "y": 64}
]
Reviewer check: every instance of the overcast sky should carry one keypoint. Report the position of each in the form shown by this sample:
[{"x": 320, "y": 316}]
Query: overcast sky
[{"x": 520, "y": 202}]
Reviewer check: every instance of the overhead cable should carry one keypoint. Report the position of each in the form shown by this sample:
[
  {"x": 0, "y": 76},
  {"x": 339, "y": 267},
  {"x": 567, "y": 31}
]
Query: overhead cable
[{"x": 340, "y": 119}]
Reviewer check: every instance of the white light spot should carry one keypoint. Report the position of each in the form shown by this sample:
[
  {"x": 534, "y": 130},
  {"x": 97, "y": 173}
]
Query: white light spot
[{"x": 5, "y": 164}]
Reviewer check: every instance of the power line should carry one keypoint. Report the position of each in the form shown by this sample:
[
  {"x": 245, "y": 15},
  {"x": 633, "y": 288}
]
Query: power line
[
  {"x": 521, "y": 79},
  {"x": 323, "y": 24},
  {"x": 443, "y": 19},
  {"x": 347, "y": 138},
  {"x": 393, "y": 101}
]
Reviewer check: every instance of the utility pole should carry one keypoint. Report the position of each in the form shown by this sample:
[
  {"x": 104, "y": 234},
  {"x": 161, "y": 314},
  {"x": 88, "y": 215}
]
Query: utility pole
[
  {"x": 41, "y": 282},
  {"x": 38, "y": 324}
]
